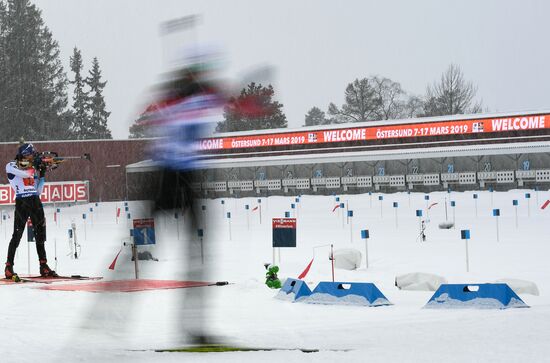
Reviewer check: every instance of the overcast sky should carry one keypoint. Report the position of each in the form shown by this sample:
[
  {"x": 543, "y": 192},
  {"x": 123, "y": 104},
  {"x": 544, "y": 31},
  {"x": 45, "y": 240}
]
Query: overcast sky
[{"x": 317, "y": 47}]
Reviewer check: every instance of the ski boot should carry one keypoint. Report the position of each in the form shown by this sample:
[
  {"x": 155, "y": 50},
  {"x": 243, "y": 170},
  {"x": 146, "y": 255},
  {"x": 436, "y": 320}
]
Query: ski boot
[
  {"x": 45, "y": 270},
  {"x": 10, "y": 275}
]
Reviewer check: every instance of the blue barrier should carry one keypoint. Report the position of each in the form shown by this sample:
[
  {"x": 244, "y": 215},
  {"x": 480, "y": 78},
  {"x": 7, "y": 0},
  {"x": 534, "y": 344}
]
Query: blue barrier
[
  {"x": 475, "y": 296},
  {"x": 347, "y": 293},
  {"x": 293, "y": 290}
]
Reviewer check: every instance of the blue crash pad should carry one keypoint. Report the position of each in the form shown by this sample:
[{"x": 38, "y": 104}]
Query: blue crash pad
[
  {"x": 293, "y": 290},
  {"x": 476, "y": 296},
  {"x": 347, "y": 293}
]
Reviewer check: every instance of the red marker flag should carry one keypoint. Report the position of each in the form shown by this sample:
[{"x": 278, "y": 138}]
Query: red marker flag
[
  {"x": 431, "y": 205},
  {"x": 545, "y": 204},
  {"x": 112, "y": 265},
  {"x": 55, "y": 216},
  {"x": 255, "y": 209},
  {"x": 118, "y": 212},
  {"x": 304, "y": 273},
  {"x": 335, "y": 207}
]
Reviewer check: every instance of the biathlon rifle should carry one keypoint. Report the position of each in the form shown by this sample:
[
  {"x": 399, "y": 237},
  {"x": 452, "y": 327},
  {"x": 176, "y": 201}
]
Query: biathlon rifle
[{"x": 51, "y": 159}]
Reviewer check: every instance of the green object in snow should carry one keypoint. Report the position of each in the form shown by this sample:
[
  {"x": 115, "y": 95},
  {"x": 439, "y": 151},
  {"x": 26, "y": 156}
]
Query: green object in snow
[{"x": 271, "y": 279}]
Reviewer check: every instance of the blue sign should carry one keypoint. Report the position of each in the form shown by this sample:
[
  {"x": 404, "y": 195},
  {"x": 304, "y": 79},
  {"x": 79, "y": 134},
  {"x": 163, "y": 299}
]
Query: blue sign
[
  {"x": 228, "y": 214},
  {"x": 491, "y": 189},
  {"x": 247, "y": 207},
  {"x": 91, "y": 209},
  {"x": 527, "y": 195},
  {"x": 125, "y": 204},
  {"x": 83, "y": 215},
  {"x": 364, "y": 233},
  {"x": 337, "y": 199},
  {"x": 515, "y": 202},
  {"x": 496, "y": 212},
  {"x": 4, "y": 217},
  {"x": 259, "y": 201},
  {"x": 175, "y": 215},
  {"x": 96, "y": 204},
  {"x": 287, "y": 214},
  {"x": 144, "y": 232},
  {"x": 126, "y": 209},
  {"x": 203, "y": 207},
  {"x": 465, "y": 234},
  {"x": 419, "y": 212},
  {"x": 475, "y": 196},
  {"x": 380, "y": 197},
  {"x": 426, "y": 197},
  {"x": 342, "y": 205},
  {"x": 297, "y": 200},
  {"x": 223, "y": 201},
  {"x": 58, "y": 210},
  {"x": 395, "y": 204},
  {"x": 292, "y": 205},
  {"x": 128, "y": 216},
  {"x": 453, "y": 203},
  {"x": 370, "y": 193},
  {"x": 200, "y": 232},
  {"x": 350, "y": 213}
]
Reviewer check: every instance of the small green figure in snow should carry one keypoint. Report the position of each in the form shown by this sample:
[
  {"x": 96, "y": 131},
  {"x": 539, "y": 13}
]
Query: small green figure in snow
[{"x": 271, "y": 279}]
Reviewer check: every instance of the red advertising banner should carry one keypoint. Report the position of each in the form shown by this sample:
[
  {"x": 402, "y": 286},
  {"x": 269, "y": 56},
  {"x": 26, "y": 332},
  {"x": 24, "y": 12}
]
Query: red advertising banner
[
  {"x": 420, "y": 129},
  {"x": 283, "y": 223},
  {"x": 144, "y": 223},
  {"x": 54, "y": 192}
]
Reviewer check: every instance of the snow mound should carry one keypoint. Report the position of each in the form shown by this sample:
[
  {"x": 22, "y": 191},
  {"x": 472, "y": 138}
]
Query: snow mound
[
  {"x": 281, "y": 295},
  {"x": 521, "y": 286},
  {"x": 347, "y": 258},
  {"x": 327, "y": 299},
  {"x": 419, "y": 281},
  {"x": 444, "y": 301}
]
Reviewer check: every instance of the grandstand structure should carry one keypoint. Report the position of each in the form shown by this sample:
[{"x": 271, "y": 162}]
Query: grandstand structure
[{"x": 462, "y": 152}]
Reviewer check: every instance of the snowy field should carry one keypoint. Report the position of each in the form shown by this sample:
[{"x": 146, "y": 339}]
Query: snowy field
[{"x": 58, "y": 326}]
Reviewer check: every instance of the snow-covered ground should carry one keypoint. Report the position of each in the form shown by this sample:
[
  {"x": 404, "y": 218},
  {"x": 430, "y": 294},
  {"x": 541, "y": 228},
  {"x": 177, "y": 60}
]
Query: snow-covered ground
[{"x": 58, "y": 326}]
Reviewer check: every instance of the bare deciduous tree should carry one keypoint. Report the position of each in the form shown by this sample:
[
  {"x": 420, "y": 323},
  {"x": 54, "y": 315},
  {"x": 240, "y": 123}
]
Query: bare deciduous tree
[
  {"x": 451, "y": 95},
  {"x": 390, "y": 98},
  {"x": 414, "y": 107}
]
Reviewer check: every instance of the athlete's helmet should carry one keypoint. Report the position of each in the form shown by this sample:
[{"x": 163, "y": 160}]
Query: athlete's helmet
[{"x": 26, "y": 150}]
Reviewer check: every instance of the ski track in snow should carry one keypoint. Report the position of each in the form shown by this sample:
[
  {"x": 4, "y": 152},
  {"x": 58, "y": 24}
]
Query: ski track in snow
[{"x": 59, "y": 326}]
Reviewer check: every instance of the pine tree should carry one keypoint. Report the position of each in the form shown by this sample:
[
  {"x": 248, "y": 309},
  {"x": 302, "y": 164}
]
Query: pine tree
[
  {"x": 253, "y": 109},
  {"x": 362, "y": 103},
  {"x": 315, "y": 117},
  {"x": 3, "y": 61},
  {"x": 80, "y": 104},
  {"x": 138, "y": 131},
  {"x": 33, "y": 95},
  {"x": 98, "y": 114}
]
